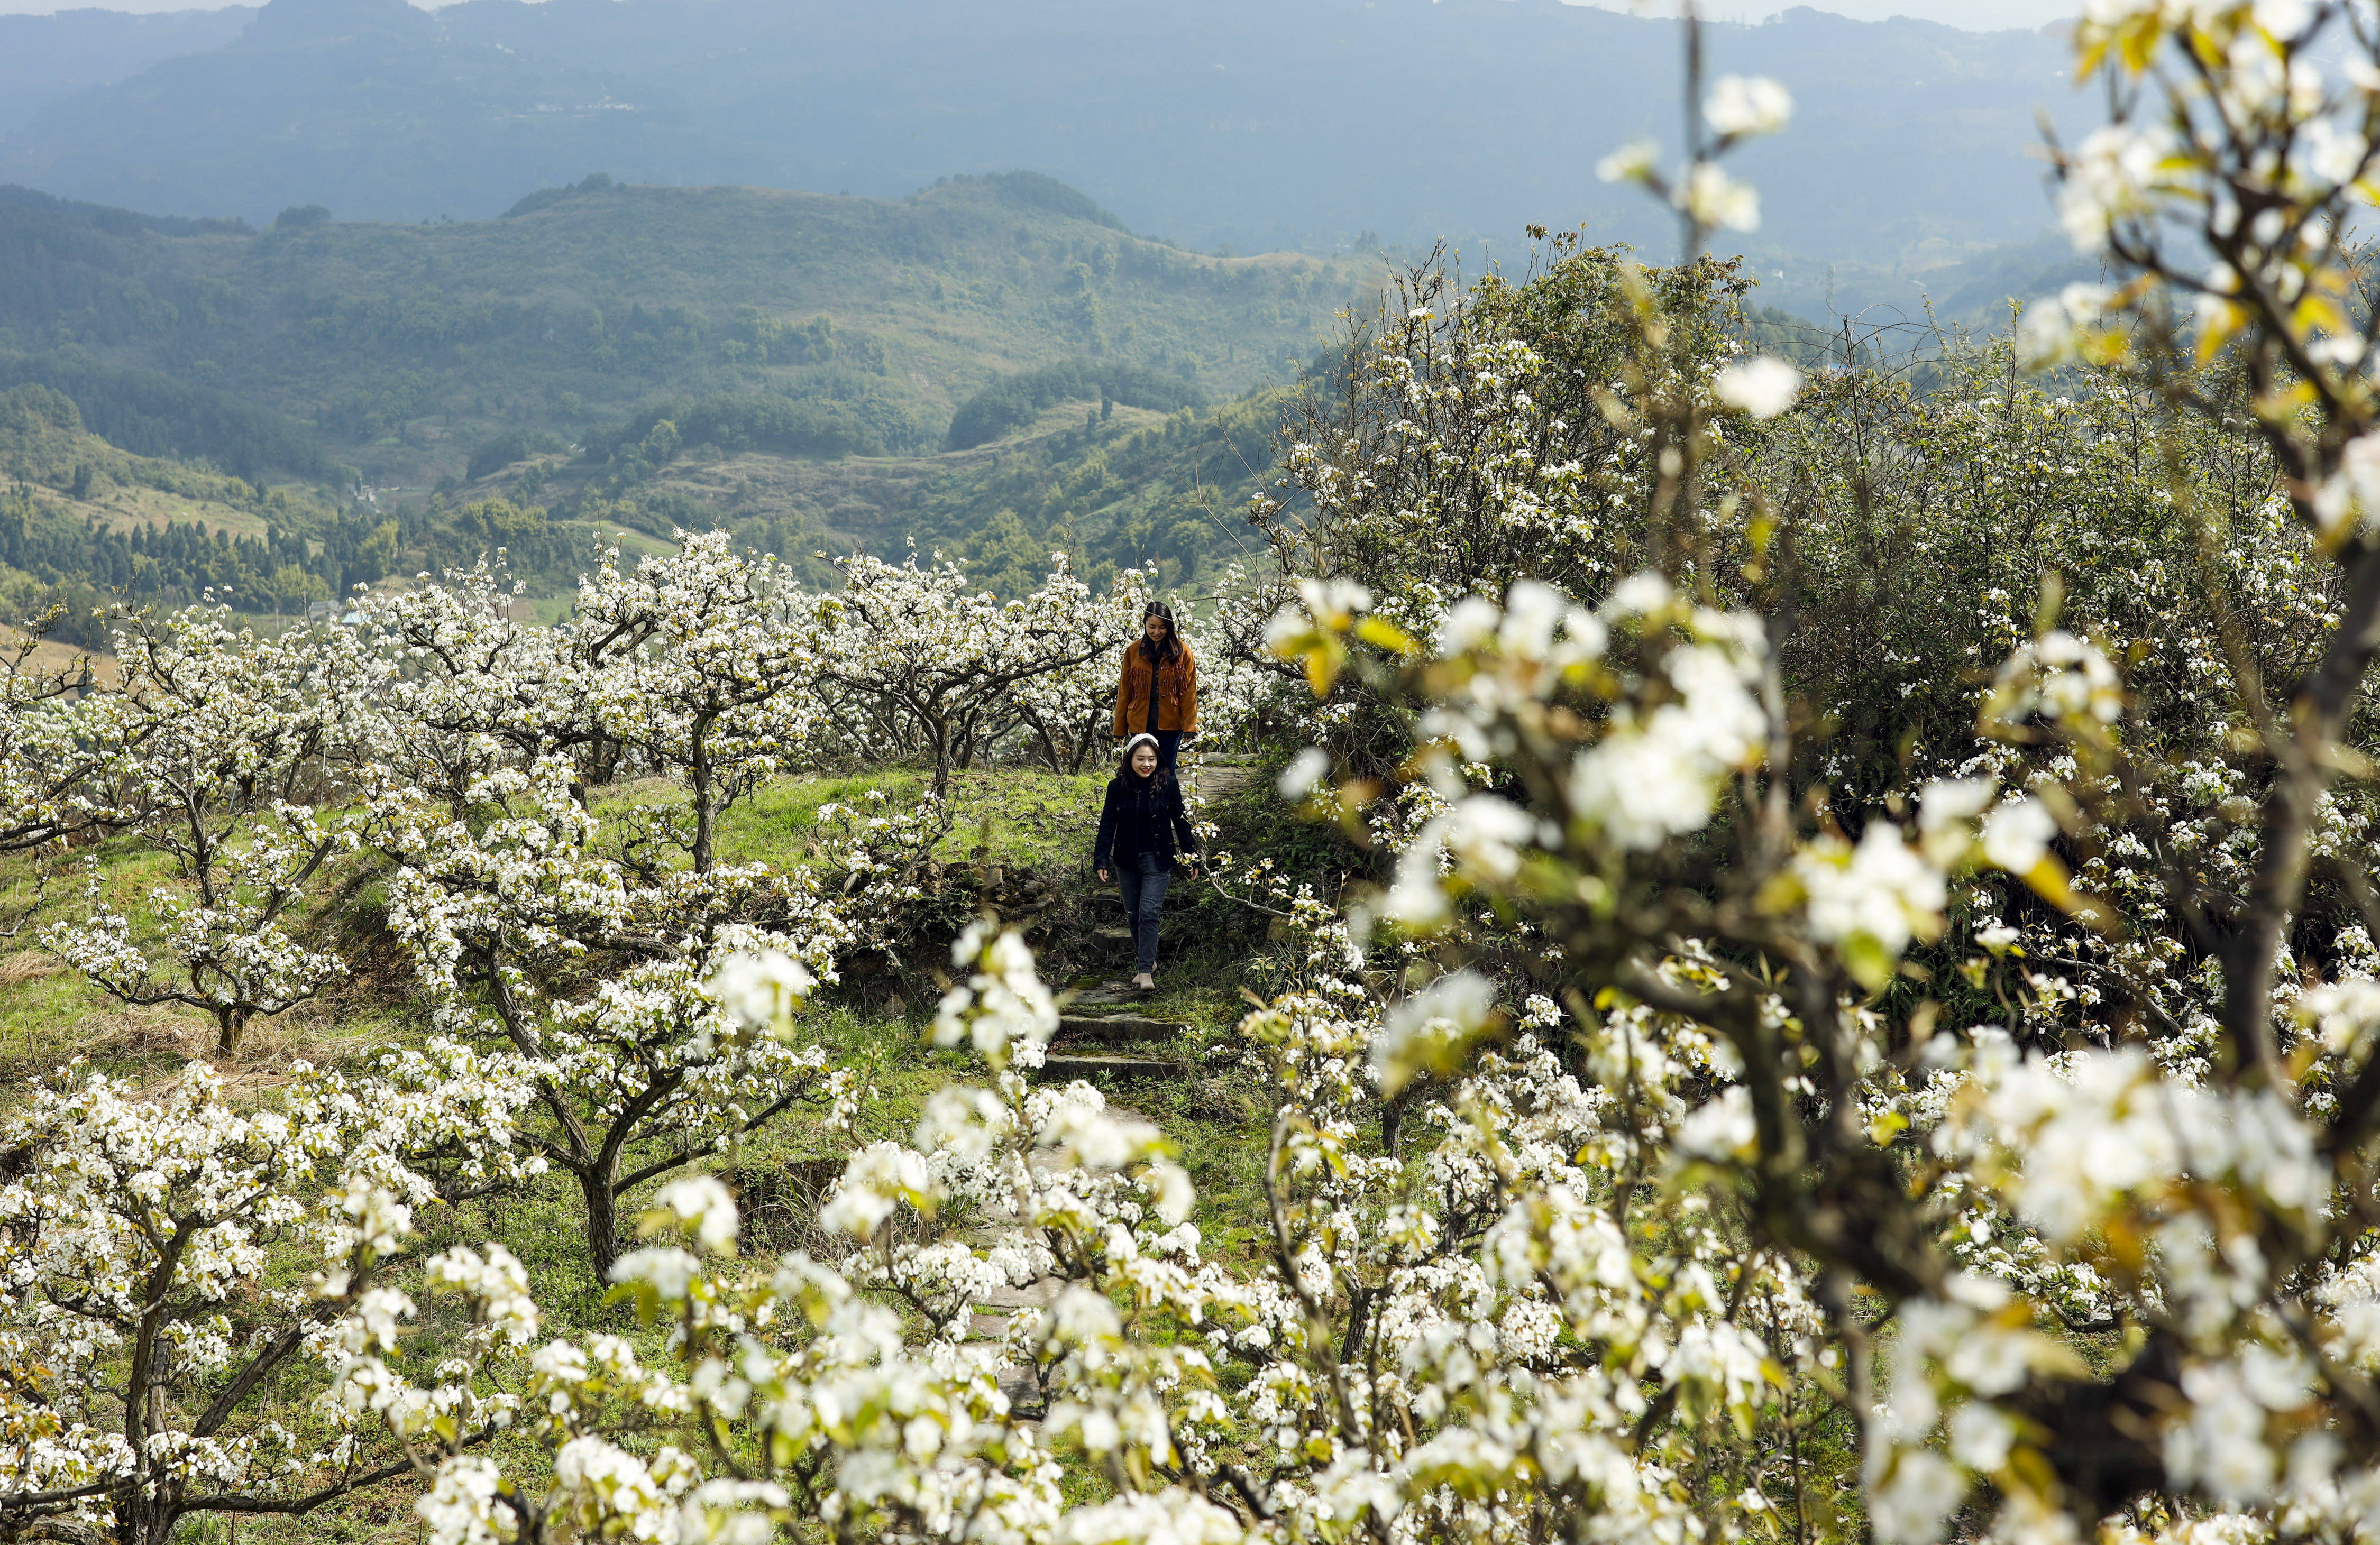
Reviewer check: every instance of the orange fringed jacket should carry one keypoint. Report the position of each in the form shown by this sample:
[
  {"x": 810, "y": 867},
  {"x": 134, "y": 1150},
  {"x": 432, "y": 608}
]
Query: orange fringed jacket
[{"x": 1177, "y": 692}]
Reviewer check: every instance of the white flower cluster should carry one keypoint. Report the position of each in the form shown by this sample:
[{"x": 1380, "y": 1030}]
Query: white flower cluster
[
  {"x": 2061, "y": 1193},
  {"x": 147, "y": 1308},
  {"x": 854, "y": 1423},
  {"x": 1724, "y": 1083},
  {"x": 213, "y": 742},
  {"x": 1677, "y": 725},
  {"x": 914, "y": 661}
]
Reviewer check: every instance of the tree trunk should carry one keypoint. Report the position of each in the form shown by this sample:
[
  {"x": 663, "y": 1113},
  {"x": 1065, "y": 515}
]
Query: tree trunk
[
  {"x": 603, "y": 1220},
  {"x": 705, "y": 814},
  {"x": 1392, "y": 1118},
  {"x": 63, "y": 1532},
  {"x": 1049, "y": 745},
  {"x": 142, "y": 1520}
]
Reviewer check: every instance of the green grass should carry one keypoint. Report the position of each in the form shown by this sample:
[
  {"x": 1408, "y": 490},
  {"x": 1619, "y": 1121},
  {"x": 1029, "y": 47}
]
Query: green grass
[
  {"x": 1018, "y": 819},
  {"x": 50, "y": 1014},
  {"x": 1019, "y": 816},
  {"x": 424, "y": 341}
]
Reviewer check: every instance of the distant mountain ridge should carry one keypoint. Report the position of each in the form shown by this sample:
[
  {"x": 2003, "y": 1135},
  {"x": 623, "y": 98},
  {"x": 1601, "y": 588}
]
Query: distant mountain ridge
[
  {"x": 48, "y": 58},
  {"x": 1260, "y": 123}
]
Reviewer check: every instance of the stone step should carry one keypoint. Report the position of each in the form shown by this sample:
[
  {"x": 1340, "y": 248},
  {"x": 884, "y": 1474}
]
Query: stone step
[
  {"x": 1071, "y": 1065},
  {"x": 1040, "y": 1293},
  {"x": 1214, "y": 783},
  {"x": 1024, "y": 1395},
  {"x": 1118, "y": 1027}
]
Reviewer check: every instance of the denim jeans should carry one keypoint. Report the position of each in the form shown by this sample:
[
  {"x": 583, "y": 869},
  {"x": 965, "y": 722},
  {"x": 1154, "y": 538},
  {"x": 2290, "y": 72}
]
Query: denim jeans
[{"x": 1143, "y": 879}]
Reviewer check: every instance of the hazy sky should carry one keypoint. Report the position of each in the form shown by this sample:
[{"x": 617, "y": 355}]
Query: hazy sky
[
  {"x": 1976, "y": 14},
  {"x": 1981, "y": 16}
]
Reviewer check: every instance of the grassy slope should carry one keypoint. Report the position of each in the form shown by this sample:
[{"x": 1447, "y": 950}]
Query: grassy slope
[
  {"x": 41, "y": 451},
  {"x": 412, "y": 343},
  {"x": 1015, "y": 818},
  {"x": 1140, "y": 486},
  {"x": 1021, "y": 820},
  {"x": 49, "y": 656},
  {"x": 60, "y": 483},
  {"x": 411, "y": 347}
]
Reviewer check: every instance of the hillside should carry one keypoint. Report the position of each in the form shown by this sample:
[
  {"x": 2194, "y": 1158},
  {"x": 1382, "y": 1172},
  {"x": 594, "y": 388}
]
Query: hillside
[
  {"x": 991, "y": 368},
  {"x": 1256, "y": 123},
  {"x": 47, "y": 58},
  {"x": 1757, "y": 928},
  {"x": 82, "y": 520},
  {"x": 1123, "y": 488},
  {"x": 408, "y": 348},
  {"x": 85, "y": 525}
]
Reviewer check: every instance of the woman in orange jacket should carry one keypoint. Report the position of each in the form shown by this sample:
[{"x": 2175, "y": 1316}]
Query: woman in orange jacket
[{"x": 1158, "y": 693}]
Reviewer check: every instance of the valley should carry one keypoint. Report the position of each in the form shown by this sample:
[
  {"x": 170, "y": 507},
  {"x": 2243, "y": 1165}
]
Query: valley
[{"x": 612, "y": 363}]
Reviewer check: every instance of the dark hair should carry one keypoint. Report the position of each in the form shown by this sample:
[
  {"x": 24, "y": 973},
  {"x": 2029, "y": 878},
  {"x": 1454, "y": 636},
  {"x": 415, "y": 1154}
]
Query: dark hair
[
  {"x": 1130, "y": 778},
  {"x": 1156, "y": 652}
]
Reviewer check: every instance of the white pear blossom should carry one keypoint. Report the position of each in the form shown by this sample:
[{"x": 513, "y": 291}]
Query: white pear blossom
[
  {"x": 2116, "y": 174},
  {"x": 1763, "y": 386},
  {"x": 1741, "y": 106},
  {"x": 1880, "y": 890},
  {"x": 2348, "y": 500},
  {"x": 1631, "y": 163},
  {"x": 2017, "y": 835},
  {"x": 1712, "y": 198},
  {"x": 1678, "y": 1137}
]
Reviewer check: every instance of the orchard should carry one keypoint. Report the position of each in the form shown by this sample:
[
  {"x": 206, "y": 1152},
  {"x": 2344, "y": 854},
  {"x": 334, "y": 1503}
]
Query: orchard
[{"x": 1857, "y": 1015}]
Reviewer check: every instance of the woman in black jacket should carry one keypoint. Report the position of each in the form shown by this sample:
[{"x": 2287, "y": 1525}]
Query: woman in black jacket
[{"x": 1137, "y": 830}]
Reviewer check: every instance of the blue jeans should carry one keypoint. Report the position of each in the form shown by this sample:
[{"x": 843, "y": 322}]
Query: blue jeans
[{"x": 1143, "y": 879}]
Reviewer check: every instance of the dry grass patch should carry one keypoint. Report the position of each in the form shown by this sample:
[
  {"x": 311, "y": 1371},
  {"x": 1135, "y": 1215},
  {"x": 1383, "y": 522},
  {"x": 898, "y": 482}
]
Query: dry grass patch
[
  {"x": 27, "y": 965},
  {"x": 51, "y": 657}
]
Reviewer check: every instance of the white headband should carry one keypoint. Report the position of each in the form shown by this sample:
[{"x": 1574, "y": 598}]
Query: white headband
[{"x": 1130, "y": 746}]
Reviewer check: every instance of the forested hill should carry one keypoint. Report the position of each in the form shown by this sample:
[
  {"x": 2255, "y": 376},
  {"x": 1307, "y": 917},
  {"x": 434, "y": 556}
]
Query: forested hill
[
  {"x": 993, "y": 367},
  {"x": 404, "y": 348},
  {"x": 1261, "y": 122}
]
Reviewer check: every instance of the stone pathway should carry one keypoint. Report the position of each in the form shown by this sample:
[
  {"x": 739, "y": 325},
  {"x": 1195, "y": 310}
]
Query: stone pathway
[
  {"x": 1110, "y": 1047},
  {"x": 993, "y": 1310},
  {"x": 1104, "y": 1038},
  {"x": 1215, "y": 779}
]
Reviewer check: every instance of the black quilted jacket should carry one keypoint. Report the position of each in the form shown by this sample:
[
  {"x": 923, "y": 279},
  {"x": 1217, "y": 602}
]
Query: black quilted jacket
[{"x": 1142, "y": 817}]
